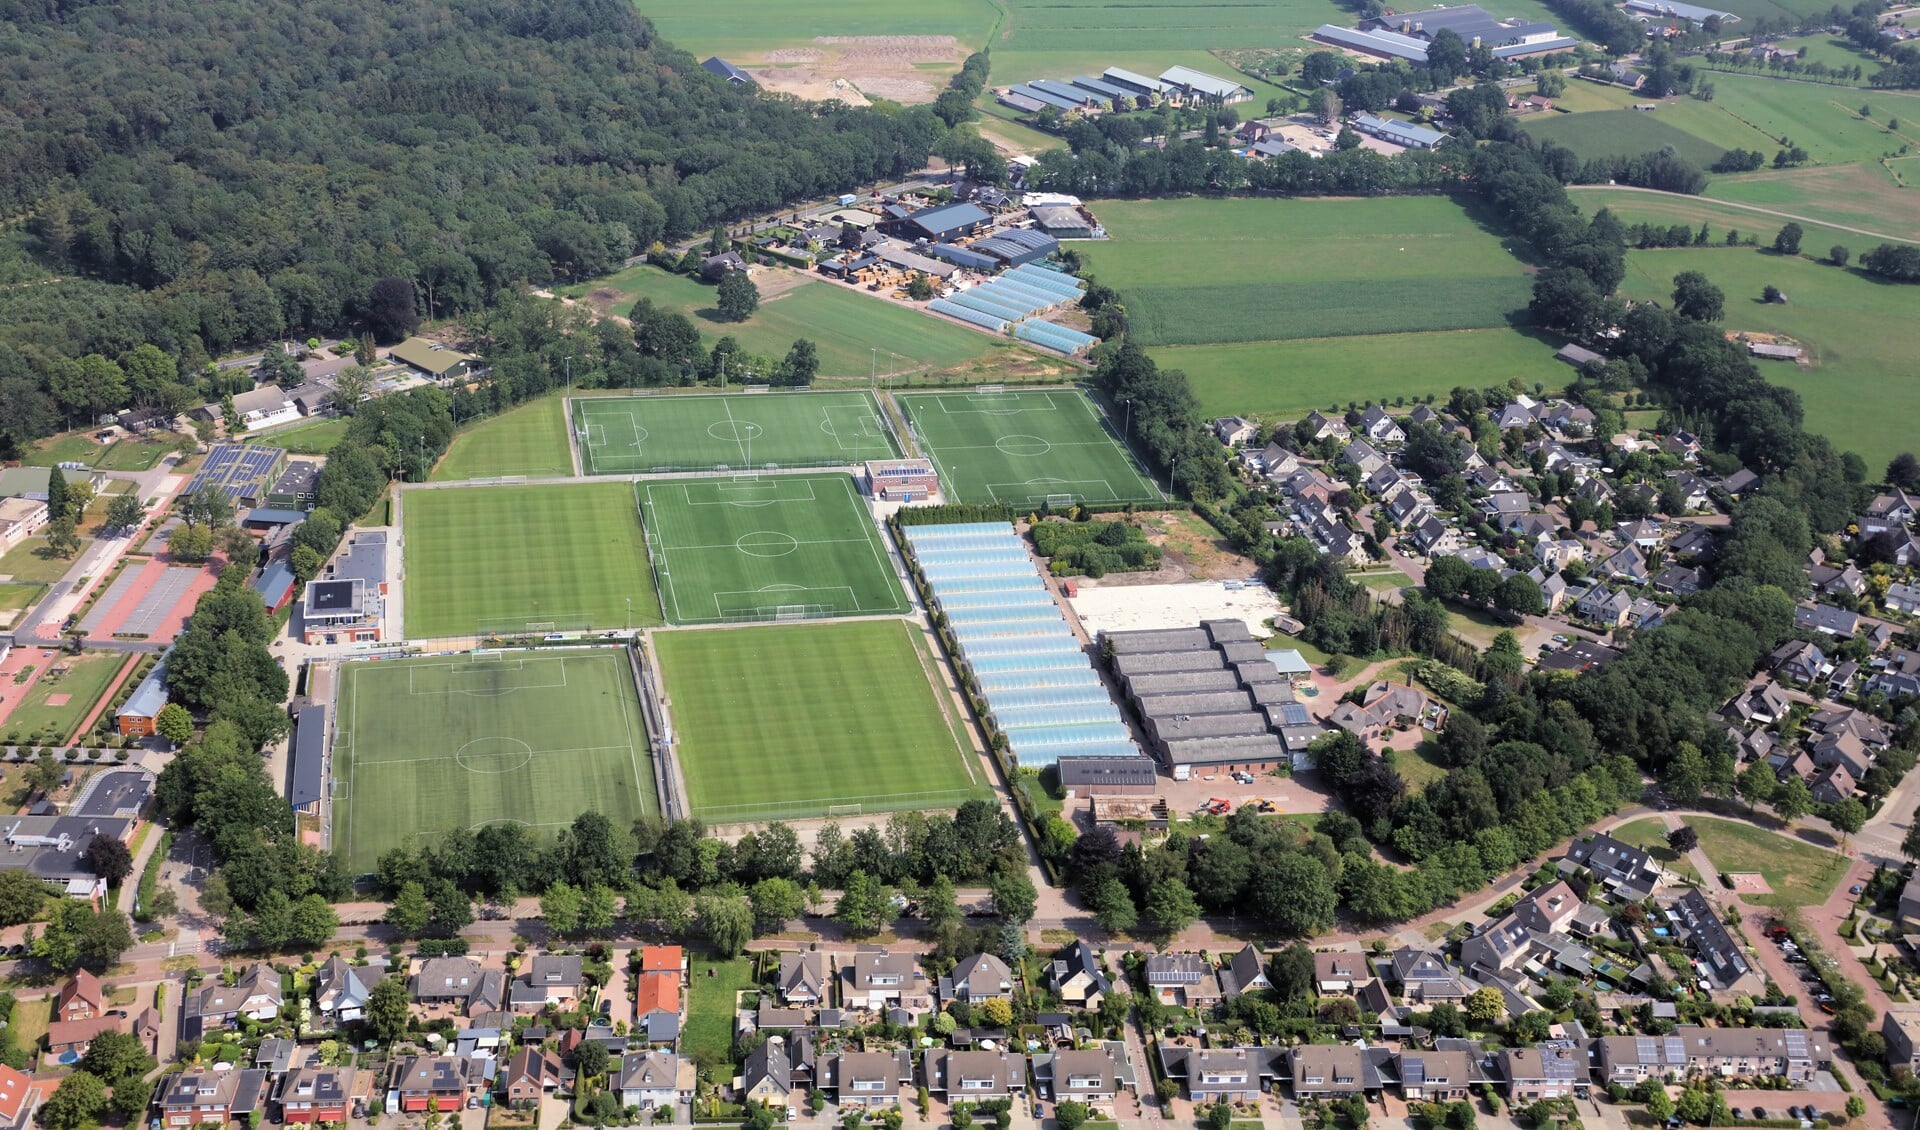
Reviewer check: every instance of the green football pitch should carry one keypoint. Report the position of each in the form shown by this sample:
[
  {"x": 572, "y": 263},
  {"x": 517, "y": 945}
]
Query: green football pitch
[
  {"x": 426, "y": 746},
  {"x": 1026, "y": 448},
  {"x": 813, "y": 719},
  {"x": 650, "y": 434},
  {"x": 514, "y": 559},
  {"x": 766, "y": 548}
]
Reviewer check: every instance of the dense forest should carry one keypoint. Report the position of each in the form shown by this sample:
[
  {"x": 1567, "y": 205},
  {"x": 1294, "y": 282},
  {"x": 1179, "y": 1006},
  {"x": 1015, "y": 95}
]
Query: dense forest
[{"x": 207, "y": 174}]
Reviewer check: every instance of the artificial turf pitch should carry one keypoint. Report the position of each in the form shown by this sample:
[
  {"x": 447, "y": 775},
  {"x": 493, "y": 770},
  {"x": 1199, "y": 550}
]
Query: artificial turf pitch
[
  {"x": 425, "y": 746},
  {"x": 508, "y": 559},
  {"x": 811, "y": 719},
  {"x": 652, "y": 434},
  {"x": 1024, "y": 448},
  {"x": 735, "y": 549}
]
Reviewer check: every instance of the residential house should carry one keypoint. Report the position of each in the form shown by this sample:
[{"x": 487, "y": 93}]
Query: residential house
[
  {"x": 1518, "y": 415},
  {"x": 550, "y": 980},
  {"x": 1903, "y": 597},
  {"x": 664, "y": 959},
  {"x": 1603, "y": 605},
  {"x": 1800, "y": 661},
  {"x": 877, "y": 979},
  {"x": 1832, "y": 581},
  {"x": 1075, "y": 977},
  {"x": 1555, "y": 554},
  {"x": 1185, "y": 979},
  {"x": 256, "y": 996},
  {"x": 1793, "y": 1054},
  {"x": 341, "y": 991},
  {"x": 1320, "y": 427},
  {"x": 1845, "y": 749},
  {"x": 1339, "y": 971},
  {"x": 1764, "y": 704},
  {"x": 974, "y": 1075},
  {"x": 1423, "y": 976},
  {"x": 1901, "y": 1027},
  {"x": 868, "y": 1078},
  {"x": 316, "y": 1093},
  {"x": 1235, "y": 431},
  {"x": 1331, "y": 1071},
  {"x": 429, "y": 1083},
  {"x": 1245, "y": 973},
  {"x": 656, "y": 1004},
  {"x": 980, "y": 977},
  {"x": 1363, "y": 455},
  {"x": 1834, "y": 720},
  {"x": 1827, "y": 620},
  {"x": 193, "y": 1097},
  {"x": 1891, "y": 512},
  {"x": 18, "y": 1098},
  {"x": 1709, "y": 937},
  {"x": 81, "y": 998},
  {"x": 1831, "y": 784},
  {"x": 1501, "y": 505},
  {"x": 1543, "y": 1072},
  {"x": 1089, "y": 1076},
  {"x": 1434, "y": 1076},
  {"x": 533, "y": 1072},
  {"x": 1376, "y": 425},
  {"x": 457, "y": 986},
  {"x": 1278, "y": 461},
  {"x": 767, "y": 1076},
  {"x": 1695, "y": 541},
  {"x": 1627, "y": 565},
  {"x": 1627, "y": 872},
  {"x": 68, "y": 1040},
  {"x": 1237, "y": 1074},
  {"x": 648, "y": 1079},
  {"x": 1382, "y": 705},
  {"x": 1680, "y": 580},
  {"x": 803, "y": 978},
  {"x": 1644, "y": 533}
]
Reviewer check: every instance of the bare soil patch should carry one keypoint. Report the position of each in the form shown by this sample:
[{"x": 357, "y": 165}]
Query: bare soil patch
[{"x": 854, "y": 68}]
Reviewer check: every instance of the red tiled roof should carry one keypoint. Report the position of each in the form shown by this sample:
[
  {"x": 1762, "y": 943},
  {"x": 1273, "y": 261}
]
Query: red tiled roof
[{"x": 658, "y": 992}]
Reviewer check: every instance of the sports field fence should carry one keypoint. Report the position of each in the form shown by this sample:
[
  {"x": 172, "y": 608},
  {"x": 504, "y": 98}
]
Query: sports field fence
[{"x": 843, "y": 807}]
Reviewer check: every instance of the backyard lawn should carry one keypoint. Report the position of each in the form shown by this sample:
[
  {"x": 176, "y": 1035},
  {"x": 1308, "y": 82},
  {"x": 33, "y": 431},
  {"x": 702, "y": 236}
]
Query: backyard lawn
[{"x": 715, "y": 983}]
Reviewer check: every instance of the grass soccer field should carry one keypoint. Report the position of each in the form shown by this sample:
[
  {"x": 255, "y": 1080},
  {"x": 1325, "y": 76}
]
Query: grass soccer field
[
  {"x": 782, "y": 546},
  {"x": 811, "y": 719},
  {"x": 510, "y": 558},
  {"x": 529, "y": 439},
  {"x": 845, "y": 326},
  {"x": 1862, "y": 391},
  {"x": 426, "y": 746},
  {"x": 648, "y": 434},
  {"x": 1024, "y": 448},
  {"x": 1205, "y": 272}
]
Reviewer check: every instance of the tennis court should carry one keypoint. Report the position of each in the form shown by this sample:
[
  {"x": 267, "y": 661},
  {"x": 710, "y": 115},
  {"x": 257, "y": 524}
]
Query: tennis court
[
  {"x": 772, "y": 547},
  {"x": 1027, "y": 448},
  {"x": 628, "y": 435},
  {"x": 425, "y": 746}
]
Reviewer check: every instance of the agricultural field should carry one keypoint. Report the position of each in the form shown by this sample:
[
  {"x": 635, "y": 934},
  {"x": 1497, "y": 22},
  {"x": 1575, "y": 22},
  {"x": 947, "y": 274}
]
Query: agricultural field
[
  {"x": 1207, "y": 272},
  {"x": 1024, "y": 447},
  {"x": 425, "y": 746},
  {"x": 647, "y": 434},
  {"x": 1860, "y": 333},
  {"x": 527, "y": 439},
  {"x": 813, "y": 719},
  {"x": 783, "y": 546},
  {"x": 1286, "y": 379},
  {"x": 1635, "y": 206},
  {"x": 471, "y": 568},
  {"x": 1621, "y": 133},
  {"x": 857, "y": 335}
]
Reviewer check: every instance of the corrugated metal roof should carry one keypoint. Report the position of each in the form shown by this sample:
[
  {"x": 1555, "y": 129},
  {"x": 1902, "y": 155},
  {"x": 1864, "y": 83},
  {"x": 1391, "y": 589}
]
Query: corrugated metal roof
[
  {"x": 309, "y": 757},
  {"x": 150, "y": 696}
]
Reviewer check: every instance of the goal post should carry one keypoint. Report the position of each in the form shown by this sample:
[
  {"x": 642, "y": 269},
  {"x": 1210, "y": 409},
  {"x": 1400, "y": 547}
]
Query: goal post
[
  {"x": 1060, "y": 500},
  {"x": 843, "y": 810},
  {"x": 987, "y": 390}
]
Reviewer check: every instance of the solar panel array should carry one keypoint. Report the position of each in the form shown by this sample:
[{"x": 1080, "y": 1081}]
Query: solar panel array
[
  {"x": 1041, "y": 689},
  {"x": 235, "y": 468}
]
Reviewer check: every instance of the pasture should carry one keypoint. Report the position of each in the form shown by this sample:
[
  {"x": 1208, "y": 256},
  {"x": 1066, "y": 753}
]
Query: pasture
[
  {"x": 1206, "y": 272},
  {"x": 646, "y": 434},
  {"x": 1861, "y": 390},
  {"x": 1635, "y": 206},
  {"x": 1860, "y": 196},
  {"x": 422, "y": 747},
  {"x": 1024, "y": 448},
  {"x": 855, "y": 334},
  {"x": 528, "y": 439},
  {"x": 1621, "y": 133},
  {"x": 813, "y": 719},
  {"x": 509, "y": 558},
  {"x": 1286, "y": 379},
  {"x": 728, "y": 550}
]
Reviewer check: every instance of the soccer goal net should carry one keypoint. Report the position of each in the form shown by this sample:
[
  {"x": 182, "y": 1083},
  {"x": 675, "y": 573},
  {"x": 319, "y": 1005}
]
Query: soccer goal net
[
  {"x": 843, "y": 810},
  {"x": 987, "y": 390},
  {"x": 1062, "y": 500}
]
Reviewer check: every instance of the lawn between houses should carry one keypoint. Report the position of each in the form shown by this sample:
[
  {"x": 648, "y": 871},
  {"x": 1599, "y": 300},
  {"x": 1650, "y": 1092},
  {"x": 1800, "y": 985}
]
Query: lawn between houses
[{"x": 1799, "y": 873}]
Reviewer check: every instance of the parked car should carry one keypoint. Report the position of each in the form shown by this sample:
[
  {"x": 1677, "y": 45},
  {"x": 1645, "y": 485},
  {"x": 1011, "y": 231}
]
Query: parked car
[{"x": 1856, "y": 888}]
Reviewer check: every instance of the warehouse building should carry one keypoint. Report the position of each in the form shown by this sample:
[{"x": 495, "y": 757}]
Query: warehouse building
[
  {"x": 1398, "y": 132},
  {"x": 1506, "y": 39},
  {"x": 1205, "y": 696},
  {"x": 1015, "y": 247},
  {"x": 1062, "y": 222},
  {"x": 1203, "y": 87},
  {"x": 1665, "y": 11}
]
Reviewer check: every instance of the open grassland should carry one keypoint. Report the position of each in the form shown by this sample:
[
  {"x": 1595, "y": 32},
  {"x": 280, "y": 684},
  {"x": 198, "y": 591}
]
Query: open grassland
[
  {"x": 792, "y": 720},
  {"x": 493, "y": 558},
  {"x": 427, "y": 746},
  {"x": 1823, "y": 120},
  {"x": 1799, "y": 873},
  {"x": 844, "y": 325},
  {"x": 1287, "y": 379},
  {"x": 1024, "y": 447},
  {"x": 1833, "y": 50},
  {"x": 530, "y": 439},
  {"x": 1621, "y": 133},
  {"x": 1862, "y": 390},
  {"x": 731, "y": 551},
  {"x": 1206, "y": 272},
  {"x": 1635, "y": 206},
  {"x": 1860, "y": 196},
  {"x": 85, "y": 680}
]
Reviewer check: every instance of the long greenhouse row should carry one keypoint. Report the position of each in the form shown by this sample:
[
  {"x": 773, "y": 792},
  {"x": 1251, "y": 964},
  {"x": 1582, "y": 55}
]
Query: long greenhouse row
[
  {"x": 1018, "y": 298},
  {"x": 1041, "y": 689}
]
